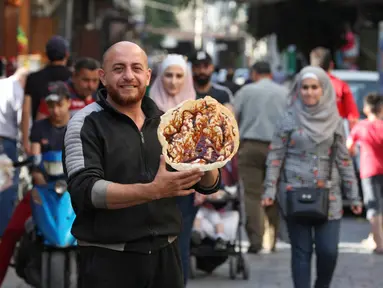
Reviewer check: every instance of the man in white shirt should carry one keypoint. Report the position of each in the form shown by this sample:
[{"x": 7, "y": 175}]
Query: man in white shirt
[{"x": 11, "y": 102}]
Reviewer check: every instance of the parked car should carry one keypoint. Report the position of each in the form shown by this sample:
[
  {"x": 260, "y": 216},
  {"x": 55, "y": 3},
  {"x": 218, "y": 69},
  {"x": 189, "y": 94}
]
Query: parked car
[{"x": 361, "y": 83}]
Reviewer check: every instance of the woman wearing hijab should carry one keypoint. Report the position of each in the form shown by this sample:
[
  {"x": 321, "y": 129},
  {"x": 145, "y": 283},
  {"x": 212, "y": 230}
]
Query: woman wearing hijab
[
  {"x": 173, "y": 85},
  {"x": 301, "y": 152}
]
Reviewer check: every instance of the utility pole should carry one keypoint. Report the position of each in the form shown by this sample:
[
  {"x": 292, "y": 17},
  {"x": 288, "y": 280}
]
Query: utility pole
[
  {"x": 69, "y": 20},
  {"x": 198, "y": 24}
]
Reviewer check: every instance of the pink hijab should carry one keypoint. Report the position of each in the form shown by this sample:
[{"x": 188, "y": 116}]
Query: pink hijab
[{"x": 157, "y": 91}]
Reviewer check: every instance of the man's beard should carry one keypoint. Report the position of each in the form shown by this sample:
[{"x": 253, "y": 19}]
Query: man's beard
[
  {"x": 202, "y": 80},
  {"x": 124, "y": 100}
]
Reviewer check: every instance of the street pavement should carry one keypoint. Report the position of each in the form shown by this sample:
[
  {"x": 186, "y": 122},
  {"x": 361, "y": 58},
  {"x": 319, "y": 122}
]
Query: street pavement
[{"x": 356, "y": 268}]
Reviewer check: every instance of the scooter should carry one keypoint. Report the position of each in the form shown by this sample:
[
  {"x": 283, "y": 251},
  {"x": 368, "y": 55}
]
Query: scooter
[{"x": 47, "y": 256}]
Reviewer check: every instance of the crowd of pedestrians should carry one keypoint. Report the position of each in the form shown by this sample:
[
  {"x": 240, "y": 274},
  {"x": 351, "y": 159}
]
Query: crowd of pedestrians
[{"x": 134, "y": 218}]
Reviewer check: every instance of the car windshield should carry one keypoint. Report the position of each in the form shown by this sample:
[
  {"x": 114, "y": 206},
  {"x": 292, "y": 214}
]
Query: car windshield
[{"x": 359, "y": 90}]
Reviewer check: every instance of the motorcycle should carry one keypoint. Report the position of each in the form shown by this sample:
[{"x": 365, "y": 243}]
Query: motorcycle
[{"x": 47, "y": 256}]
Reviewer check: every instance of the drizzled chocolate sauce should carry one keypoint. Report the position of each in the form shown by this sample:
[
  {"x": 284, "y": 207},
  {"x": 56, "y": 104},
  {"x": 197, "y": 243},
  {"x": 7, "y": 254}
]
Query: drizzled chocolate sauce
[{"x": 200, "y": 153}]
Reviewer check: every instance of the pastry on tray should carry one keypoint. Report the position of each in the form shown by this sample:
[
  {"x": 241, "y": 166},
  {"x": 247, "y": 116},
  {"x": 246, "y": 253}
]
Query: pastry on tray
[{"x": 198, "y": 134}]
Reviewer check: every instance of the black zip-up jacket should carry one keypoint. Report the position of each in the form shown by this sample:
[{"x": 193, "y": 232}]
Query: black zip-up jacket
[{"x": 101, "y": 146}]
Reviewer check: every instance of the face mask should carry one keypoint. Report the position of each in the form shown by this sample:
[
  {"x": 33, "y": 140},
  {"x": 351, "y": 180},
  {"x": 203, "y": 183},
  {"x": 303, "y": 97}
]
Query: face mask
[{"x": 201, "y": 80}]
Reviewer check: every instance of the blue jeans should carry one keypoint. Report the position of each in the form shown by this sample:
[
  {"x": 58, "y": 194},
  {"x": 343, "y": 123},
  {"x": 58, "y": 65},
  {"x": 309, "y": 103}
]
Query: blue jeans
[
  {"x": 188, "y": 211},
  {"x": 8, "y": 197},
  {"x": 326, "y": 239}
]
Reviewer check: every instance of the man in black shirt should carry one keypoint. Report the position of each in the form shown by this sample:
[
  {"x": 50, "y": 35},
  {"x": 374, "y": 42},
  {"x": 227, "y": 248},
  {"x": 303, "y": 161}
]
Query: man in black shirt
[
  {"x": 127, "y": 220},
  {"x": 57, "y": 51},
  {"x": 203, "y": 69}
]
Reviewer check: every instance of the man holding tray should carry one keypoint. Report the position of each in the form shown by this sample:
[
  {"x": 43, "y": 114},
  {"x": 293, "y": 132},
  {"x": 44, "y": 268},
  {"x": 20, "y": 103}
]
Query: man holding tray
[{"x": 127, "y": 220}]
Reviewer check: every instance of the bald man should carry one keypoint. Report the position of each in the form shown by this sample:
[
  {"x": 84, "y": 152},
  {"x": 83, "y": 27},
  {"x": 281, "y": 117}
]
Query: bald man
[{"x": 127, "y": 221}]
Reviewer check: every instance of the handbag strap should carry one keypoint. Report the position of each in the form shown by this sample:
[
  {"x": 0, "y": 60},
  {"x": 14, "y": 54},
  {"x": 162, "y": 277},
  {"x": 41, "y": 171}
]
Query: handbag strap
[
  {"x": 284, "y": 159},
  {"x": 331, "y": 160},
  {"x": 334, "y": 149}
]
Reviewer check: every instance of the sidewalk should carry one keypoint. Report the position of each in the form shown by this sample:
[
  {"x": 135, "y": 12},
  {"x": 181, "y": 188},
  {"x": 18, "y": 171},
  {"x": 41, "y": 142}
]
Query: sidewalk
[{"x": 356, "y": 269}]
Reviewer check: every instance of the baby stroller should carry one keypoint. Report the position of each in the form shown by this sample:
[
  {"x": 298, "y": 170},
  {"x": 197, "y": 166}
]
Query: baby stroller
[{"x": 203, "y": 256}]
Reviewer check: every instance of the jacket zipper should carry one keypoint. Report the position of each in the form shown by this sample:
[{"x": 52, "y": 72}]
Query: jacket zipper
[
  {"x": 147, "y": 172},
  {"x": 142, "y": 138},
  {"x": 143, "y": 147}
]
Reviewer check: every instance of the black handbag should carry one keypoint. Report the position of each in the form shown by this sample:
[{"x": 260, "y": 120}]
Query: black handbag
[{"x": 310, "y": 204}]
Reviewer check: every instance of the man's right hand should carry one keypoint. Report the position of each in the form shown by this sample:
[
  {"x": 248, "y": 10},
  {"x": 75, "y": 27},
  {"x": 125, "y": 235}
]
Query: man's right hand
[
  {"x": 170, "y": 184},
  {"x": 267, "y": 202}
]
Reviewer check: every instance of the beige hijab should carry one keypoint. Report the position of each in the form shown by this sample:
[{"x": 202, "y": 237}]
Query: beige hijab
[
  {"x": 321, "y": 121},
  {"x": 157, "y": 91}
]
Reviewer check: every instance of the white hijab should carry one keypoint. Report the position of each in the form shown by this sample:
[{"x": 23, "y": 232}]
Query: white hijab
[
  {"x": 157, "y": 91},
  {"x": 321, "y": 121}
]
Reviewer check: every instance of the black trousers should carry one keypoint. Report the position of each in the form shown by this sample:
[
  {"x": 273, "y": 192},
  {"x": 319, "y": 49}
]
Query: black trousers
[{"x": 104, "y": 268}]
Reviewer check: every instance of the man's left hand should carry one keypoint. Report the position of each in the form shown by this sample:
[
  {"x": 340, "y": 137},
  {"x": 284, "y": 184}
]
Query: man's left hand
[{"x": 209, "y": 179}]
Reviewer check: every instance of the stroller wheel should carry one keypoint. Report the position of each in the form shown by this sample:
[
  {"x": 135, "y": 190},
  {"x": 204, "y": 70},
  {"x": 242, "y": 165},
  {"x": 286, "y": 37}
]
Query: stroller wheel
[
  {"x": 245, "y": 267},
  {"x": 232, "y": 267},
  {"x": 192, "y": 267}
]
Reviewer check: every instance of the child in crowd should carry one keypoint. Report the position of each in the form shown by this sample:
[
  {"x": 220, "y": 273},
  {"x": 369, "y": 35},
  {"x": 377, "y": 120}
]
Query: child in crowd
[
  {"x": 212, "y": 209},
  {"x": 212, "y": 213},
  {"x": 369, "y": 134}
]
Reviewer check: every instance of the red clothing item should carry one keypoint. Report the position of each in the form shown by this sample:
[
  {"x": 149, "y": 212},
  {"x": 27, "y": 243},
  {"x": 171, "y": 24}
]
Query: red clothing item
[
  {"x": 76, "y": 105},
  {"x": 13, "y": 233},
  {"x": 370, "y": 136},
  {"x": 346, "y": 103},
  {"x": 350, "y": 41},
  {"x": 229, "y": 173}
]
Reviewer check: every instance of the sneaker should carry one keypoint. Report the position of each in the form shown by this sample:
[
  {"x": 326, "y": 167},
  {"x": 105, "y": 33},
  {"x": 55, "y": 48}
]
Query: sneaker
[
  {"x": 220, "y": 245},
  {"x": 369, "y": 242}
]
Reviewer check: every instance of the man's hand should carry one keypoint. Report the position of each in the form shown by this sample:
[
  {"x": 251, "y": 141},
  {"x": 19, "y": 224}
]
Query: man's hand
[
  {"x": 170, "y": 184},
  {"x": 267, "y": 202},
  {"x": 357, "y": 210}
]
